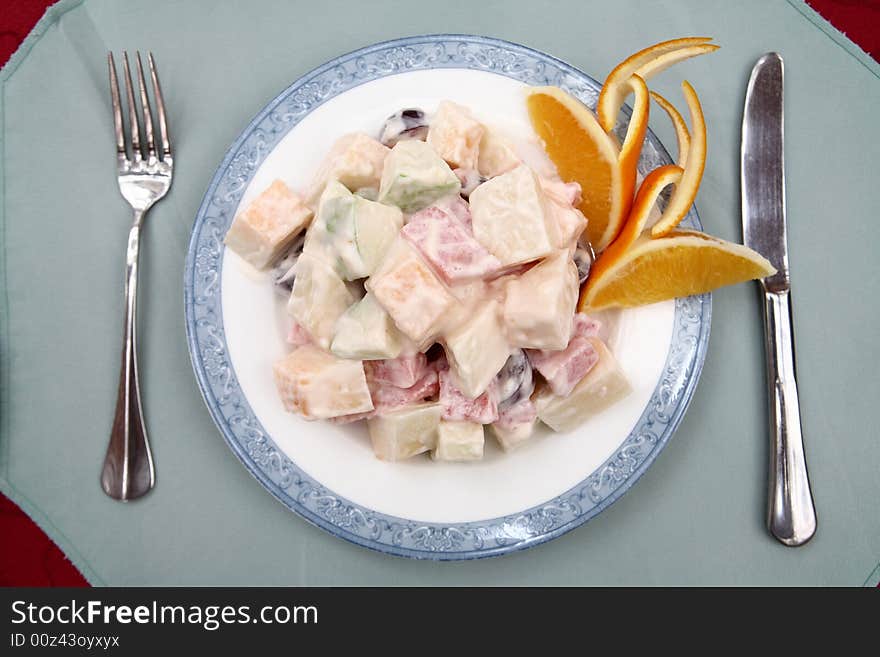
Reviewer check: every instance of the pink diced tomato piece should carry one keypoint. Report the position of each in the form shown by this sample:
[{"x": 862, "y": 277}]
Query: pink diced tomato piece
[
  {"x": 456, "y": 406},
  {"x": 585, "y": 326},
  {"x": 401, "y": 372},
  {"x": 564, "y": 369},
  {"x": 388, "y": 397},
  {"x": 522, "y": 412},
  {"x": 461, "y": 211},
  {"x": 400, "y": 381},
  {"x": 448, "y": 246}
]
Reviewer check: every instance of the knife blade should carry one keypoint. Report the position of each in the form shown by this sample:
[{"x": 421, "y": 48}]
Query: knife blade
[
  {"x": 791, "y": 513},
  {"x": 763, "y": 169}
]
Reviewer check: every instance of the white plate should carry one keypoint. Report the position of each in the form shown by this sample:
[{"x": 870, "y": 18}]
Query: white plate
[{"x": 236, "y": 326}]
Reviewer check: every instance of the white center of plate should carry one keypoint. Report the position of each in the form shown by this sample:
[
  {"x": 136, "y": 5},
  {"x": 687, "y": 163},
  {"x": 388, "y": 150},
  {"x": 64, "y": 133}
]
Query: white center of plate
[{"x": 340, "y": 457}]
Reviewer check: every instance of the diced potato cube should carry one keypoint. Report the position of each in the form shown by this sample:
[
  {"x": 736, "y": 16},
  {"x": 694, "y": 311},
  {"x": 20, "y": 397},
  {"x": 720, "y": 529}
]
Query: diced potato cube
[
  {"x": 571, "y": 224},
  {"x": 562, "y": 201},
  {"x": 604, "y": 385},
  {"x": 455, "y": 135},
  {"x": 318, "y": 299},
  {"x": 297, "y": 335},
  {"x": 568, "y": 194},
  {"x": 510, "y": 436},
  {"x": 497, "y": 155},
  {"x": 356, "y": 160},
  {"x": 511, "y": 218},
  {"x": 401, "y": 434},
  {"x": 317, "y": 385},
  {"x": 365, "y": 332},
  {"x": 262, "y": 232},
  {"x": 539, "y": 305},
  {"x": 459, "y": 441},
  {"x": 410, "y": 292},
  {"x": 477, "y": 350},
  {"x": 415, "y": 176},
  {"x": 350, "y": 233},
  {"x": 515, "y": 423}
]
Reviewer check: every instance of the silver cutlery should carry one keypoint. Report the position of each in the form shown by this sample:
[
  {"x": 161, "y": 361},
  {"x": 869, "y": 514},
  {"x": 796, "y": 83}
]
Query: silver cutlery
[
  {"x": 791, "y": 515},
  {"x": 144, "y": 175}
]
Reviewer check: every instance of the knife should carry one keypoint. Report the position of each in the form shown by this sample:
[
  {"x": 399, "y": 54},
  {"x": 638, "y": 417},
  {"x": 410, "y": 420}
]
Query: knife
[{"x": 791, "y": 515}]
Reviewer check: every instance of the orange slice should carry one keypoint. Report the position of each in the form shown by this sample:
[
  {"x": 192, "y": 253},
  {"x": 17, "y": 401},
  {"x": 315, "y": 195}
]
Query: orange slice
[
  {"x": 681, "y": 264},
  {"x": 645, "y": 63},
  {"x": 584, "y": 153},
  {"x": 686, "y": 189}
]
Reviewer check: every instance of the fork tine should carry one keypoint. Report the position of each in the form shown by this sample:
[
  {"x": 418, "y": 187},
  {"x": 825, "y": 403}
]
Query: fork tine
[
  {"x": 132, "y": 112},
  {"x": 160, "y": 107},
  {"x": 145, "y": 107},
  {"x": 117, "y": 110}
]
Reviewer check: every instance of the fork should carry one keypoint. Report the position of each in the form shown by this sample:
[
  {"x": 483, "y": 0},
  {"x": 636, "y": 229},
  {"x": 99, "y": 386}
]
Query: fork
[{"x": 144, "y": 178}]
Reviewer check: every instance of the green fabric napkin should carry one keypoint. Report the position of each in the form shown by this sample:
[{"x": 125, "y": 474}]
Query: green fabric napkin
[{"x": 696, "y": 517}]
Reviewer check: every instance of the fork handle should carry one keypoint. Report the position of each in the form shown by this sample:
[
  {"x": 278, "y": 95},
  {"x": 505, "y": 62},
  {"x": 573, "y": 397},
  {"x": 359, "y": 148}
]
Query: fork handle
[
  {"x": 128, "y": 466},
  {"x": 791, "y": 515}
]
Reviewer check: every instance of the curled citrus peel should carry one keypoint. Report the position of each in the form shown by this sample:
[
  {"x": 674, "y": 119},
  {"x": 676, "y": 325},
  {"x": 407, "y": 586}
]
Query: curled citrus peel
[
  {"x": 631, "y": 149},
  {"x": 686, "y": 184},
  {"x": 682, "y": 135},
  {"x": 649, "y": 191},
  {"x": 645, "y": 63},
  {"x": 686, "y": 188},
  {"x": 637, "y": 269}
]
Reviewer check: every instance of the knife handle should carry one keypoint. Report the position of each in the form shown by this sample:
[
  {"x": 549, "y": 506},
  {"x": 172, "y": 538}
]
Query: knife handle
[{"x": 791, "y": 515}]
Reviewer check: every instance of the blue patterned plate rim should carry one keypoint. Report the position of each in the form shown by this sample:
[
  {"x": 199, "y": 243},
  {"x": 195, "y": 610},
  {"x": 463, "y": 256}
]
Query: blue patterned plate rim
[{"x": 234, "y": 416}]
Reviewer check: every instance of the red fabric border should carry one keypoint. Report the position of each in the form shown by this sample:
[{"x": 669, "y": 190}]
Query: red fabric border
[{"x": 27, "y": 556}]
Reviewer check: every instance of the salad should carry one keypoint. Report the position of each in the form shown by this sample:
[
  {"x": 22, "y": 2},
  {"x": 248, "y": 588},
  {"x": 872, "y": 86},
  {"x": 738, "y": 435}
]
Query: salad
[{"x": 432, "y": 278}]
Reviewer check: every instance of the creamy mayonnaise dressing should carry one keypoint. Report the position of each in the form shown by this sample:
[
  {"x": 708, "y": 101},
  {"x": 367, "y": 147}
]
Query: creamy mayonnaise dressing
[{"x": 446, "y": 231}]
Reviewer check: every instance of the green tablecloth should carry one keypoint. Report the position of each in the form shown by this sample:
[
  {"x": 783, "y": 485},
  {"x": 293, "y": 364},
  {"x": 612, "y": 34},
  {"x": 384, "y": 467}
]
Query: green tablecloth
[{"x": 696, "y": 517}]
